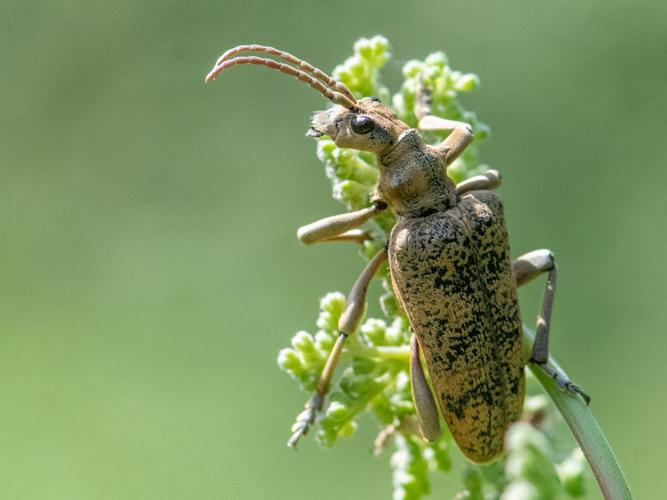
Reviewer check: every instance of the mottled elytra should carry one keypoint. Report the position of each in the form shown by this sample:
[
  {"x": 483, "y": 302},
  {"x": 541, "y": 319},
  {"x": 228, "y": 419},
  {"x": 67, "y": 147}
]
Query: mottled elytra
[{"x": 449, "y": 261}]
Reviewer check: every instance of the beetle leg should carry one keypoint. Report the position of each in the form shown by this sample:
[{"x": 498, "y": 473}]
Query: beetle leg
[
  {"x": 340, "y": 227},
  {"x": 347, "y": 325},
  {"x": 526, "y": 268},
  {"x": 427, "y": 411},
  {"x": 490, "y": 179},
  {"x": 407, "y": 424},
  {"x": 353, "y": 235},
  {"x": 454, "y": 143}
]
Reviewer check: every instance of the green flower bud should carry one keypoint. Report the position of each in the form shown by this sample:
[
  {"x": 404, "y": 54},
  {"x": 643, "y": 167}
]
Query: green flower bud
[
  {"x": 467, "y": 82},
  {"x": 408, "y": 483},
  {"x": 358, "y": 68},
  {"x": 402, "y": 381},
  {"x": 529, "y": 464},
  {"x": 337, "y": 412},
  {"x": 367, "y": 157},
  {"x": 355, "y": 386},
  {"x": 364, "y": 172},
  {"x": 303, "y": 341},
  {"x": 371, "y": 247},
  {"x": 343, "y": 74},
  {"x": 364, "y": 48},
  {"x": 352, "y": 193},
  {"x": 522, "y": 436},
  {"x": 398, "y": 103},
  {"x": 438, "y": 455},
  {"x": 572, "y": 473},
  {"x": 363, "y": 366},
  {"x": 342, "y": 154},
  {"x": 472, "y": 480},
  {"x": 452, "y": 76},
  {"x": 410, "y": 469},
  {"x": 373, "y": 330},
  {"x": 438, "y": 59},
  {"x": 522, "y": 490},
  {"x": 362, "y": 384},
  {"x": 523, "y": 463},
  {"x": 348, "y": 429},
  {"x": 314, "y": 360},
  {"x": 290, "y": 361},
  {"x": 430, "y": 76},
  {"x": 324, "y": 341},
  {"x": 398, "y": 333},
  {"x": 382, "y": 410},
  {"x": 325, "y": 150},
  {"x": 494, "y": 474},
  {"x": 309, "y": 380},
  {"x": 326, "y": 437},
  {"x": 340, "y": 167},
  {"x": 482, "y": 131},
  {"x": 412, "y": 68},
  {"x": 381, "y": 46},
  {"x": 409, "y": 89},
  {"x": 403, "y": 393},
  {"x": 331, "y": 306},
  {"x": 404, "y": 408},
  {"x": 389, "y": 305},
  {"x": 333, "y": 303},
  {"x": 458, "y": 170},
  {"x": 534, "y": 404}
]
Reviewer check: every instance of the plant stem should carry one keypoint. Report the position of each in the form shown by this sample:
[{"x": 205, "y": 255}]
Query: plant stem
[{"x": 587, "y": 432}]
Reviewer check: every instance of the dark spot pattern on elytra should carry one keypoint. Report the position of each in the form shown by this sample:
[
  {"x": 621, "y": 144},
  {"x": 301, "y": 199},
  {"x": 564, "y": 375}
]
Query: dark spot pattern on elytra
[{"x": 453, "y": 272}]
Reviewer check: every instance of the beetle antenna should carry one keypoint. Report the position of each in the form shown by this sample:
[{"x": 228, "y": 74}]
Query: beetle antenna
[
  {"x": 334, "y": 95},
  {"x": 286, "y": 56}
]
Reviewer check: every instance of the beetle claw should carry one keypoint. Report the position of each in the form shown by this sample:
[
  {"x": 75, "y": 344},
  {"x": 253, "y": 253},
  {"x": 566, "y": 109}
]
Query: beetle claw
[
  {"x": 305, "y": 419},
  {"x": 575, "y": 389}
]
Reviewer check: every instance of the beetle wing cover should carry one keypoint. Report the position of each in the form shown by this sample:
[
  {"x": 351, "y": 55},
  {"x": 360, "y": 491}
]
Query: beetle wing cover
[{"x": 453, "y": 273}]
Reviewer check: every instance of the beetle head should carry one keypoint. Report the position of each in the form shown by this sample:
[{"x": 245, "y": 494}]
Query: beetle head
[{"x": 368, "y": 126}]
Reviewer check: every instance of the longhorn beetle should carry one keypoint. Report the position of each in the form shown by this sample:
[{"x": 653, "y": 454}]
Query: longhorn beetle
[{"x": 449, "y": 262}]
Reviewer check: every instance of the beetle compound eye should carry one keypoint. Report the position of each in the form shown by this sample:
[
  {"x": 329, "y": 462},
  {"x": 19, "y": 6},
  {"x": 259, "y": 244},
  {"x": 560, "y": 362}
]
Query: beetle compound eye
[{"x": 362, "y": 124}]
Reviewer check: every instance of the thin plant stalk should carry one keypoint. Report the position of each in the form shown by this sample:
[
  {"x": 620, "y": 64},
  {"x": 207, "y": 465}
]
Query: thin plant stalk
[{"x": 587, "y": 432}]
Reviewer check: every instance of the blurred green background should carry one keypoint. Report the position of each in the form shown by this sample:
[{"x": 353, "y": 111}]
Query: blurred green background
[{"x": 149, "y": 268}]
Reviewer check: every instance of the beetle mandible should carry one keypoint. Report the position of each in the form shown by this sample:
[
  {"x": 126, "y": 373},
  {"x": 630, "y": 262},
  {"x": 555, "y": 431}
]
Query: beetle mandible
[{"x": 449, "y": 262}]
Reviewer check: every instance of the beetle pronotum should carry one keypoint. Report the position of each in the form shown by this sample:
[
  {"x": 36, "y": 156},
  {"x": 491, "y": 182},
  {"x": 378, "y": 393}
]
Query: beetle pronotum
[{"x": 449, "y": 262}]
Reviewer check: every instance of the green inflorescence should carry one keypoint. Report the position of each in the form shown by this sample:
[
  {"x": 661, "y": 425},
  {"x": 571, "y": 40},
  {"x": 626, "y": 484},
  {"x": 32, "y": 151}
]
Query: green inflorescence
[{"x": 541, "y": 460}]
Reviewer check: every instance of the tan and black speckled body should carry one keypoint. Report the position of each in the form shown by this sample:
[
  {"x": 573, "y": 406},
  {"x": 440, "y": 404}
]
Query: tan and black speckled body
[
  {"x": 453, "y": 274},
  {"x": 449, "y": 261},
  {"x": 451, "y": 268}
]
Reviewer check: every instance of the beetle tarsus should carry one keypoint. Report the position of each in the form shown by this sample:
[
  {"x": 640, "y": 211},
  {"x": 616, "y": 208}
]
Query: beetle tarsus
[
  {"x": 382, "y": 438},
  {"x": 305, "y": 419},
  {"x": 563, "y": 382},
  {"x": 408, "y": 425}
]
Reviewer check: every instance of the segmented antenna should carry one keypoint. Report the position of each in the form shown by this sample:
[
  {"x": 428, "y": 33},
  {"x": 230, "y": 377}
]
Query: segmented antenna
[
  {"x": 286, "y": 56},
  {"x": 333, "y": 90}
]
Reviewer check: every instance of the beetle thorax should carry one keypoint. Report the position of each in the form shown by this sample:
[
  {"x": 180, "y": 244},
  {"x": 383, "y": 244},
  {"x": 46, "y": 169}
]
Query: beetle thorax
[{"x": 412, "y": 178}]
